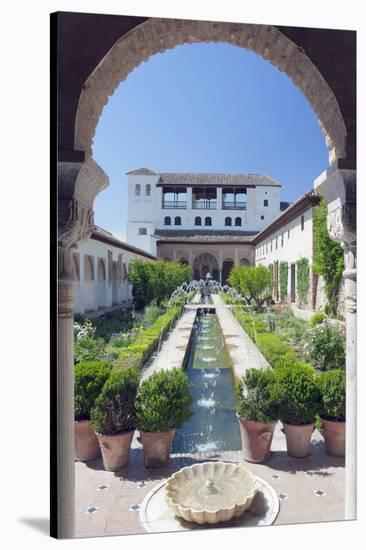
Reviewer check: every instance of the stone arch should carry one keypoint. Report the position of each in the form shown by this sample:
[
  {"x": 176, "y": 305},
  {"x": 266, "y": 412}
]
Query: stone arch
[
  {"x": 227, "y": 266},
  {"x": 101, "y": 270},
  {"x": 89, "y": 284},
  {"x": 205, "y": 263},
  {"x": 88, "y": 268},
  {"x": 102, "y": 283},
  {"x": 244, "y": 261},
  {"x": 114, "y": 284},
  {"x": 158, "y": 35},
  {"x": 76, "y": 265}
]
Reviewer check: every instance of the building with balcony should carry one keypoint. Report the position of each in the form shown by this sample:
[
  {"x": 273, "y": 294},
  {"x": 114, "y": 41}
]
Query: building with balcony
[{"x": 205, "y": 220}]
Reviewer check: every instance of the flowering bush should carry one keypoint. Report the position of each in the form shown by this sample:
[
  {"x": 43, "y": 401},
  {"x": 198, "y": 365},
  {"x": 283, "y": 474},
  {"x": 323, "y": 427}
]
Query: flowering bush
[
  {"x": 326, "y": 346},
  {"x": 83, "y": 330}
]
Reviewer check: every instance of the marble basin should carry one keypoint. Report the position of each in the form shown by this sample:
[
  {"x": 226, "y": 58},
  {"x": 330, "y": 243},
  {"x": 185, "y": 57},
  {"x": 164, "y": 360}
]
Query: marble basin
[{"x": 210, "y": 492}]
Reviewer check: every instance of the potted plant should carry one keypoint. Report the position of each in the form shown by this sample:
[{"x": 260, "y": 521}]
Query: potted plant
[
  {"x": 257, "y": 411},
  {"x": 162, "y": 406},
  {"x": 90, "y": 377},
  {"x": 299, "y": 397},
  {"x": 332, "y": 410},
  {"x": 113, "y": 417}
]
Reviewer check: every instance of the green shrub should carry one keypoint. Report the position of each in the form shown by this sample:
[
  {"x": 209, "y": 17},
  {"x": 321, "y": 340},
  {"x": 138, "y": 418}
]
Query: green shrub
[
  {"x": 275, "y": 351},
  {"x": 317, "y": 318},
  {"x": 302, "y": 280},
  {"x": 114, "y": 409},
  {"x": 151, "y": 313},
  {"x": 328, "y": 257},
  {"x": 90, "y": 378},
  {"x": 163, "y": 401},
  {"x": 326, "y": 347},
  {"x": 283, "y": 280},
  {"x": 140, "y": 350},
  {"x": 256, "y": 398},
  {"x": 298, "y": 393},
  {"x": 332, "y": 385},
  {"x": 88, "y": 349}
]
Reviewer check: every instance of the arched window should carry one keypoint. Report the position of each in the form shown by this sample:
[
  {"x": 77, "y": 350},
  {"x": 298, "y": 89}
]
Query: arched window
[
  {"x": 238, "y": 222},
  {"x": 148, "y": 190},
  {"x": 89, "y": 268},
  {"x": 177, "y": 220},
  {"x": 197, "y": 220},
  {"x": 208, "y": 221},
  {"x": 167, "y": 220},
  {"x": 227, "y": 221},
  {"x": 137, "y": 189}
]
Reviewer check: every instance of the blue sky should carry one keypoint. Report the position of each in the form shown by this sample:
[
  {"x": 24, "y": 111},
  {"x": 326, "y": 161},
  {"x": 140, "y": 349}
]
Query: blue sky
[{"x": 206, "y": 108}]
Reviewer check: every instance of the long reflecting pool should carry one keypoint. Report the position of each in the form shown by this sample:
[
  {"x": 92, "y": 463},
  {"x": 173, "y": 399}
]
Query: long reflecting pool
[{"x": 213, "y": 426}]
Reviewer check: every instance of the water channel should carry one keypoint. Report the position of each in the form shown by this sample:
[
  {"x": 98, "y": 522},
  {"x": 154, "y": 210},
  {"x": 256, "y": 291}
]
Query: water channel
[{"x": 213, "y": 426}]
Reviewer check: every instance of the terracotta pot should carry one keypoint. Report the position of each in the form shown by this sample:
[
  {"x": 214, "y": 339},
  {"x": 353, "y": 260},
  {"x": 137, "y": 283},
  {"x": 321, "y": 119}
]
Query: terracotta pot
[
  {"x": 334, "y": 437},
  {"x": 298, "y": 439},
  {"x": 157, "y": 447},
  {"x": 86, "y": 442},
  {"x": 115, "y": 450},
  {"x": 256, "y": 439}
]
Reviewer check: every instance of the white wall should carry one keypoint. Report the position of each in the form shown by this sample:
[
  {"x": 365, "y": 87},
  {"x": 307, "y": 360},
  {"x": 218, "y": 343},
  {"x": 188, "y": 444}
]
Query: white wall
[
  {"x": 98, "y": 294},
  {"x": 147, "y": 212},
  {"x": 297, "y": 244}
]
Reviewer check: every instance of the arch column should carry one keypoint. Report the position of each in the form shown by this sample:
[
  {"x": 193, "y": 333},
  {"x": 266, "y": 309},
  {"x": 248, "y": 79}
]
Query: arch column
[
  {"x": 338, "y": 186},
  {"x": 78, "y": 184}
]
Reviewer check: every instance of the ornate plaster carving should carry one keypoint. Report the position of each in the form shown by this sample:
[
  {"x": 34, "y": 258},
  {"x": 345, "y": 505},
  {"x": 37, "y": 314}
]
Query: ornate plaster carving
[
  {"x": 78, "y": 185},
  {"x": 158, "y": 35}
]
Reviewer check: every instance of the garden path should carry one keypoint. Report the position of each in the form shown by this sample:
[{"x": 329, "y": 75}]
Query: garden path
[{"x": 243, "y": 352}]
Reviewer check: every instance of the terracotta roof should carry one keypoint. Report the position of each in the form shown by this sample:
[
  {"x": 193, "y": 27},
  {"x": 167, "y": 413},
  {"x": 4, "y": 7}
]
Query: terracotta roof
[
  {"x": 203, "y": 236},
  {"x": 295, "y": 209},
  {"x": 215, "y": 179},
  {"x": 142, "y": 172},
  {"x": 189, "y": 179},
  {"x": 104, "y": 236}
]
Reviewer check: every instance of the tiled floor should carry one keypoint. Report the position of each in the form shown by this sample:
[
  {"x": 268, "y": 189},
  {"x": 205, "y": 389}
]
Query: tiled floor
[{"x": 107, "y": 503}]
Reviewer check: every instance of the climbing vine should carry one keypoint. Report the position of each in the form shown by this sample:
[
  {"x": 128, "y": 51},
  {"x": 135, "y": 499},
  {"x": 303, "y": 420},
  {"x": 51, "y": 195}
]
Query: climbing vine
[
  {"x": 328, "y": 257},
  {"x": 283, "y": 280},
  {"x": 302, "y": 280}
]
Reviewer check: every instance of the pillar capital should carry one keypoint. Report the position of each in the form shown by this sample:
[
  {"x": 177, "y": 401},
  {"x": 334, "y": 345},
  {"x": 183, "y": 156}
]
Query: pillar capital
[{"x": 78, "y": 185}]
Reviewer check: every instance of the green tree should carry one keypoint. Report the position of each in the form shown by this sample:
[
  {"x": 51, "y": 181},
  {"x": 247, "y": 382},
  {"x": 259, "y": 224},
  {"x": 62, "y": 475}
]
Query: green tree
[
  {"x": 155, "y": 281},
  {"x": 328, "y": 257},
  {"x": 254, "y": 283}
]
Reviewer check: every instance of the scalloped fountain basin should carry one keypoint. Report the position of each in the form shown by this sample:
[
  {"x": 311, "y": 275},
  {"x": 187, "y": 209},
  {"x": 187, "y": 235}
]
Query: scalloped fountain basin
[{"x": 210, "y": 492}]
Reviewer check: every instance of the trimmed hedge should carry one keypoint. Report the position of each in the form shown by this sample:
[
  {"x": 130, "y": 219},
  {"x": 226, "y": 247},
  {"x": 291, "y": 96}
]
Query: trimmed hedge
[
  {"x": 90, "y": 377},
  {"x": 137, "y": 353},
  {"x": 256, "y": 399},
  {"x": 298, "y": 394},
  {"x": 332, "y": 385},
  {"x": 163, "y": 401},
  {"x": 277, "y": 353},
  {"x": 114, "y": 410}
]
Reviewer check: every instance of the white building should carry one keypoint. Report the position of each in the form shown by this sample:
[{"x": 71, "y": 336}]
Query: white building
[
  {"x": 288, "y": 239},
  {"x": 101, "y": 266},
  {"x": 205, "y": 220}
]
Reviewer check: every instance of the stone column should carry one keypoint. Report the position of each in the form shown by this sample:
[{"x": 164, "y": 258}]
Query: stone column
[
  {"x": 236, "y": 257},
  {"x": 78, "y": 184},
  {"x": 219, "y": 198},
  {"x": 338, "y": 186},
  {"x": 189, "y": 198}
]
